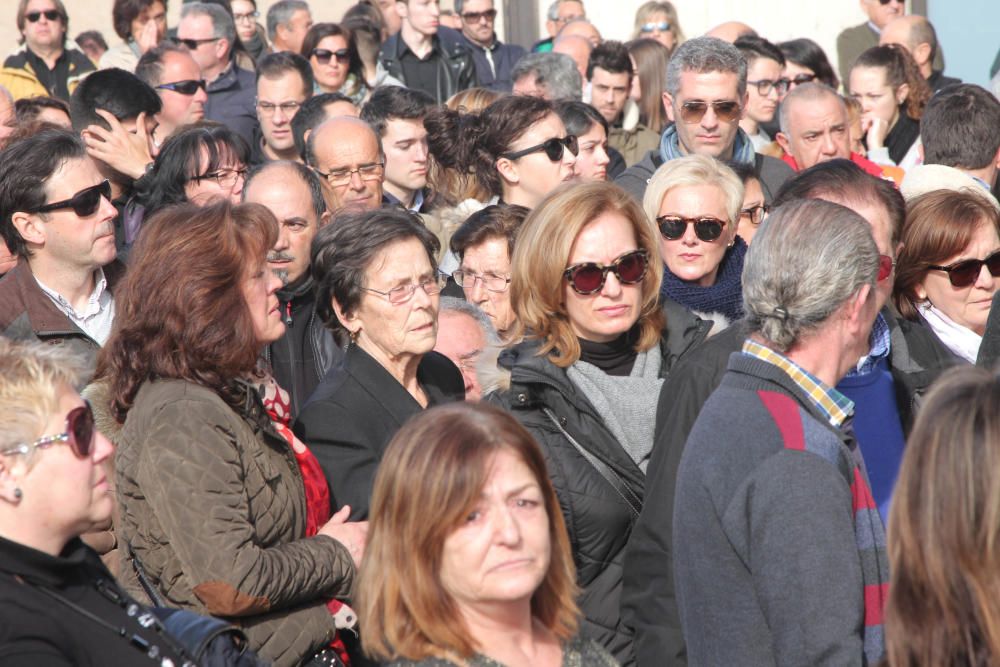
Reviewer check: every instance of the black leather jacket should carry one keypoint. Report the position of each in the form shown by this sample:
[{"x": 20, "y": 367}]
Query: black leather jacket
[{"x": 456, "y": 67}]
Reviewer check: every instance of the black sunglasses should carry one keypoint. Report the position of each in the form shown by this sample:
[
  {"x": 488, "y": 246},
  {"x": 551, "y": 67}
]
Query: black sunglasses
[
  {"x": 965, "y": 273},
  {"x": 50, "y": 14},
  {"x": 84, "y": 203},
  {"x": 706, "y": 228},
  {"x": 553, "y": 148},
  {"x": 476, "y": 17},
  {"x": 186, "y": 87},
  {"x": 193, "y": 44},
  {"x": 323, "y": 56},
  {"x": 589, "y": 277}
]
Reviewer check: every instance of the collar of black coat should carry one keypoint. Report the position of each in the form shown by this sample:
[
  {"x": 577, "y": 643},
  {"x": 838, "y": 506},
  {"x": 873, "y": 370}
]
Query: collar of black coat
[{"x": 39, "y": 567}]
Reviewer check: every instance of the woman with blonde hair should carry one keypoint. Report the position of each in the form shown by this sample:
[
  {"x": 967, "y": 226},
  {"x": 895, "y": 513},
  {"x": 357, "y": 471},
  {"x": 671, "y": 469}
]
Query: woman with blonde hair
[
  {"x": 658, "y": 20},
  {"x": 944, "y": 525},
  {"x": 491, "y": 579},
  {"x": 586, "y": 376}
]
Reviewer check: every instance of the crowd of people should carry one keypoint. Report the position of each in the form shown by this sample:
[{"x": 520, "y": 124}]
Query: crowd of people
[{"x": 387, "y": 342}]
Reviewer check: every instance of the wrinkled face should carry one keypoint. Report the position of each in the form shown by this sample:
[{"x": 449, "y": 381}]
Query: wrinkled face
[
  {"x": 761, "y": 108},
  {"x": 476, "y": 25},
  {"x": 407, "y": 330},
  {"x": 609, "y": 92},
  {"x": 461, "y": 339},
  {"x": 423, "y": 16},
  {"x": 332, "y": 74},
  {"x": 156, "y": 14},
  {"x": 274, "y": 95},
  {"x": 66, "y": 494},
  {"x": 338, "y": 150},
  {"x": 65, "y": 238},
  {"x": 489, "y": 259},
  {"x": 753, "y": 196},
  {"x": 710, "y": 135},
  {"x": 259, "y": 289},
  {"x": 592, "y": 160},
  {"x": 878, "y": 99},
  {"x": 208, "y": 54},
  {"x": 584, "y": 29},
  {"x": 44, "y": 33},
  {"x": 180, "y": 109},
  {"x": 533, "y": 176},
  {"x": 567, "y": 11},
  {"x": 294, "y": 32},
  {"x": 689, "y": 258},
  {"x": 967, "y": 306},
  {"x": 614, "y": 309},
  {"x": 818, "y": 131},
  {"x": 243, "y": 16},
  {"x": 880, "y": 14},
  {"x": 501, "y": 552},
  {"x": 405, "y": 146},
  {"x": 226, "y": 182},
  {"x": 654, "y": 22},
  {"x": 288, "y": 197}
]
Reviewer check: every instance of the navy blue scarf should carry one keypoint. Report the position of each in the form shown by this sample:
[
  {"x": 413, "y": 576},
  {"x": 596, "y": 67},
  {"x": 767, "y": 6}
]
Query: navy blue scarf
[{"x": 725, "y": 296}]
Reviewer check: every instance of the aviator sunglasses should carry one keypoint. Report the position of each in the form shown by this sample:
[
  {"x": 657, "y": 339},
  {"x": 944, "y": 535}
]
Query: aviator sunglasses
[
  {"x": 706, "y": 228},
  {"x": 553, "y": 148},
  {"x": 726, "y": 111},
  {"x": 79, "y": 435},
  {"x": 589, "y": 277},
  {"x": 84, "y": 203},
  {"x": 965, "y": 273}
]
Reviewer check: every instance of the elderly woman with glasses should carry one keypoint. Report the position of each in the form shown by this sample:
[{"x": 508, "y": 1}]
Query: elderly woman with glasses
[
  {"x": 377, "y": 288},
  {"x": 585, "y": 378},
  {"x": 696, "y": 203}
]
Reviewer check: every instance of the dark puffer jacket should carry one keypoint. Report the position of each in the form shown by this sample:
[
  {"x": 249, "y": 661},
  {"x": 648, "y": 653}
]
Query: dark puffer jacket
[
  {"x": 213, "y": 503},
  {"x": 598, "y": 519}
]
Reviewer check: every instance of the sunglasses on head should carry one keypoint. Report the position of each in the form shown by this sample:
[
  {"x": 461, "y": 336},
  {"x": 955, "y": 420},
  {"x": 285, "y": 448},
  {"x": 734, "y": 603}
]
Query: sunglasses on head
[
  {"x": 186, "y": 87},
  {"x": 79, "y": 435},
  {"x": 50, "y": 14},
  {"x": 589, "y": 277},
  {"x": 726, "y": 111},
  {"x": 84, "y": 203},
  {"x": 553, "y": 148},
  {"x": 965, "y": 273},
  {"x": 706, "y": 228},
  {"x": 323, "y": 56}
]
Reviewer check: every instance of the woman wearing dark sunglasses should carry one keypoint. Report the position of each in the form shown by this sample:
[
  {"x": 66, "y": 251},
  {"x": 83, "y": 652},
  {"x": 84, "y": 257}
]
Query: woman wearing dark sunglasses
[
  {"x": 696, "y": 203},
  {"x": 517, "y": 147},
  {"x": 336, "y": 66},
  {"x": 585, "y": 378},
  {"x": 949, "y": 267}
]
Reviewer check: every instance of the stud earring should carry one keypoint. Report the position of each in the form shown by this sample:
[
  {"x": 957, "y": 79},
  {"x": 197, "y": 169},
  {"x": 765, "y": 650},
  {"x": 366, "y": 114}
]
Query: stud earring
[{"x": 18, "y": 494}]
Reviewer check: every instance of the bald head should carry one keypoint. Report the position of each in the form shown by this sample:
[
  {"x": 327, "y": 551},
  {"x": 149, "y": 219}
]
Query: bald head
[
  {"x": 814, "y": 125},
  {"x": 577, "y": 48},
  {"x": 730, "y": 31},
  {"x": 916, "y": 35},
  {"x": 347, "y": 155},
  {"x": 581, "y": 27}
]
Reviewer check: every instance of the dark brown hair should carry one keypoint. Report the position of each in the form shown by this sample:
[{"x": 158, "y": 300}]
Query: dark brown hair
[
  {"x": 900, "y": 68},
  {"x": 125, "y": 11},
  {"x": 180, "y": 312},
  {"x": 651, "y": 60},
  {"x": 497, "y": 221}
]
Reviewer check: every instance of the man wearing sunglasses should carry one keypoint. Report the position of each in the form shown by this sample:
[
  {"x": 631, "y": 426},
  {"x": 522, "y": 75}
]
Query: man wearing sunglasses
[
  {"x": 494, "y": 59},
  {"x": 169, "y": 69},
  {"x": 56, "y": 214},
  {"x": 705, "y": 96},
  {"x": 43, "y": 66},
  {"x": 209, "y": 33}
]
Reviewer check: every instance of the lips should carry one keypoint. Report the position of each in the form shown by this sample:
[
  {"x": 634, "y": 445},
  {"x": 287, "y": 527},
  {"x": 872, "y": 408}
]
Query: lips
[{"x": 690, "y": 257}]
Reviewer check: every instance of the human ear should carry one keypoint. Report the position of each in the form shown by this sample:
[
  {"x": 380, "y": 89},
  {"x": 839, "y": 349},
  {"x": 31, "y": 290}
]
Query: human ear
[
  {"x": 508, "y": 170},
  {"x": 29, "y": 226}
]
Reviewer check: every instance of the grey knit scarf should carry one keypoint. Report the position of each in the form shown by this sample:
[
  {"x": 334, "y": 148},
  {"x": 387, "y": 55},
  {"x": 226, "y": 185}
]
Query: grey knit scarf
[{"x": 627, "y": 404}]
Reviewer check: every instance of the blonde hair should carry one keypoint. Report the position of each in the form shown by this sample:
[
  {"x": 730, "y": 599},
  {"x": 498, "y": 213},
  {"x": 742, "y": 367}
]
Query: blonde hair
[
  {"x": 440, "y": 461},
  {"x": 648, "y": 9},
  {"x": 690, "y": 171},
  {"x": 31, "y": 375},
  {"x": 541, "y": 255}
]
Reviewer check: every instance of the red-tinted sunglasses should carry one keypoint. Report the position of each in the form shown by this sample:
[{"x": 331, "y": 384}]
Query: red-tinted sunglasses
[
  {"x": 885, "y": 267},
  {"x": 79, "y": 435},
  {"x": 589, "y": 277}
]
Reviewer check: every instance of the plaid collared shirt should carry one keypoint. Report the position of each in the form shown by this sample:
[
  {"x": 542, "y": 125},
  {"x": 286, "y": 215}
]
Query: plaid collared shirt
[
  {"x": 835, "y": 406},
  {"x": 879, "y": 343}
]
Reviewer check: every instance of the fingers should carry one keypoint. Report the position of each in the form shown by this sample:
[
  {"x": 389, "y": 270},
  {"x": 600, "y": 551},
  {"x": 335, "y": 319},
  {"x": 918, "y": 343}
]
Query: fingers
[{"x": 341, "y": 516}]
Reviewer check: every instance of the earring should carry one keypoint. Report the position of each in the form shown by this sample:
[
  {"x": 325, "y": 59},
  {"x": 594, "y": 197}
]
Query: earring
[
  {"x": 18, "y": 494},
  {"x": 354, "y": 337}
]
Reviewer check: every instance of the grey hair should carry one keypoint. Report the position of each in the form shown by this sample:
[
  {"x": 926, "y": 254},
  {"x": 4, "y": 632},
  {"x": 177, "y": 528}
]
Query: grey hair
[
  {"x": 460, "y": 5},
  {"x": 281, "y": 13},
  {"x": 806, "y": 260},
  {"x": 705, "y": 54},
  {"x": 553, "y": 13},
  {"x": 556, "y": 71},
  {"x": 222, "y": 22},
  {"x": 807, "y": 92},
  {"x": 456, "y": 305}
]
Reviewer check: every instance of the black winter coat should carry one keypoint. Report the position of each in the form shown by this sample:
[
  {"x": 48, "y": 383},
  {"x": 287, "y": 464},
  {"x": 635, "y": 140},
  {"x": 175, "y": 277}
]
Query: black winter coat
[
  {"x": 598, "y": 519},
  {"x": 456, "y": 67}
]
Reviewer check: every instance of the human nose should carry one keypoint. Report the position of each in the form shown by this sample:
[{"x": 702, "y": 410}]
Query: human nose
[
  {"x": 103, "y": 448},
  {"x": 283, "y": 241},
  {"x": 273, "y": 283},
  {"x": 357, "y": 183},
  {"x": 612, "y": 286},
  {"x": 709, "y": 120},
  {"x": 421, "y": 151},
  {"x": 601, "y": 157},
  {"x": 108, "y": 210},
  {"x": 690, "y": 237},
  {"x": 985, "y": 279},
  {"x": 507, "y": 529},
  {"x": 829, "y": 147}
]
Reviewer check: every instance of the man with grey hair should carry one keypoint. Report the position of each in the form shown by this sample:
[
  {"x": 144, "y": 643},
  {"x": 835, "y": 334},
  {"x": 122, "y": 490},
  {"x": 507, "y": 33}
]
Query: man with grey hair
[
  {"x": 779, "y": 551},
  {"x": 551, "y": 76},
  {"x": 288, "y": 21},
  {"x": 706, "y": 92},
  {"x": 210, "y": 34},
  {"x": 560, "y": 13},
  {"x": 465, "y": 334}
]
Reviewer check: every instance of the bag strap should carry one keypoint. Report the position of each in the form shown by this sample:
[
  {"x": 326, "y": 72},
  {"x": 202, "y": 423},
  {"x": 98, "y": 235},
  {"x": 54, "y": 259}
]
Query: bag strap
[
  {"x": 632, "y": 500},
  {"x": 140, "y": 574}
]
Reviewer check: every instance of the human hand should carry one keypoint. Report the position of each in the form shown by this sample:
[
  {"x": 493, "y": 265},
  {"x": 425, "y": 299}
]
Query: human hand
[
  {"x": 123, "y": 151},
  {"x": 148, "y": 37},
  {"x": 352, "y": 534},
  {"x": 875, "y": 132}
]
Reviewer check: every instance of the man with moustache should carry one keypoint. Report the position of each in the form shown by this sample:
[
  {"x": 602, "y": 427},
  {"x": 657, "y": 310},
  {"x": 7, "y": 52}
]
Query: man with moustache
[
  {"x": 56, "y": 215},
  {"x": 303, "y": 355},
  {"x": 347, "y": 155},
  {"x": 170, "y": 70}
]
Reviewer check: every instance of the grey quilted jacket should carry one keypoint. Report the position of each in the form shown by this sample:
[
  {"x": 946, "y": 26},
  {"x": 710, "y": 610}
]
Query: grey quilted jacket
[{"x": 213, "y": 504}]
